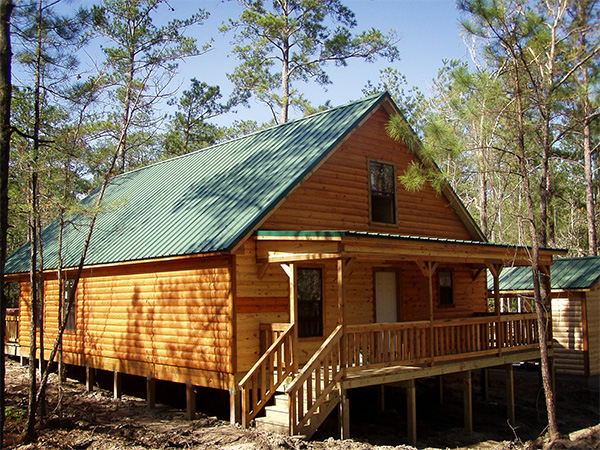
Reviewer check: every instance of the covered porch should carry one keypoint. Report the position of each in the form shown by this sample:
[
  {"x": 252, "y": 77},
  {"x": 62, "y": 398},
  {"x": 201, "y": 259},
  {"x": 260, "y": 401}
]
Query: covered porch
[{"x": 365, "y": 351}]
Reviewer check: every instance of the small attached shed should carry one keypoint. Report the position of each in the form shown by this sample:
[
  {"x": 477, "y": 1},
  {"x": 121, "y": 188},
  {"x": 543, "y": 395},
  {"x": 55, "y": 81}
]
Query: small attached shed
[{"x": 575, "y": 310}]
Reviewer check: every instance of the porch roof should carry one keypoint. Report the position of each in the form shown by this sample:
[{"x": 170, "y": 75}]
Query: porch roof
[
  {"x": 578, "y": 274},
  {"x": 280, "y": 246}
]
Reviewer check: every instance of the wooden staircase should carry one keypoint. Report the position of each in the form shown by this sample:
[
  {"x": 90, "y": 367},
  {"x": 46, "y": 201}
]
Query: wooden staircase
[
  {"x": 277, "y": 415},
  {"x": 303, "y": 400}
]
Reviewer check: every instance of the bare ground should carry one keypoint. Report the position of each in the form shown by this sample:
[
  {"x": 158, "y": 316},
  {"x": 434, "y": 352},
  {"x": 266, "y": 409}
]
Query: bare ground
[{"x": 96, "y": 421}]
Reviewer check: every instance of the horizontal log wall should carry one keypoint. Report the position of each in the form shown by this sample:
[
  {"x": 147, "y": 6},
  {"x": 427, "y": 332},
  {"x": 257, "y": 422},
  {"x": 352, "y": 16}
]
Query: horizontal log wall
[
  {"x": 173, "y": 319},
  {"x": 469, "y": 294},
  {"x": 568, "y": 333},
  {"x": 266, "y": 299},
  {"x": 593, "y": 329},
  {"x": 336, "y": 196},
  {"x": 259, "y": 300}
]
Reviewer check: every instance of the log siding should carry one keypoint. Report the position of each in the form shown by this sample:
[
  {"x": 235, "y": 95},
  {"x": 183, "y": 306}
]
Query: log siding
[{"x": 147, "y": 318}]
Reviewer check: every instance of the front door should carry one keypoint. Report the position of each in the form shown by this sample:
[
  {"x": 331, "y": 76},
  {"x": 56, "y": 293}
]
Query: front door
[{"x": 386, "y": 296}]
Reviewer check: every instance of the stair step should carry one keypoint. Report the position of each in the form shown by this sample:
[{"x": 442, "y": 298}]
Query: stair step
[
  {"x": 277, "y": 412},
  {"x": 283, "y": 400},
  {"x": 275, "y": 426}
]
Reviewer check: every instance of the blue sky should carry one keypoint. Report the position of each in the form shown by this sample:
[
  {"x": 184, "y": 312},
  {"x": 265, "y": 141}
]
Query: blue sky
[{"x": 429, "y": 31}]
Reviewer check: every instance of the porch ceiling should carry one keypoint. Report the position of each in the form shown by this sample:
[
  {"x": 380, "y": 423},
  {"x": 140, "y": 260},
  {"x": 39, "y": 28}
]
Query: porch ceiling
[{"x": 295, "y": 246}]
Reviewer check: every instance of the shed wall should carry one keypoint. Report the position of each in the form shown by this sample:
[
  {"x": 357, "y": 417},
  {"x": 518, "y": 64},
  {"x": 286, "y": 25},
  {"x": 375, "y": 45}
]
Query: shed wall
[
  {"x": 568, "y": 333},
  {"x": 593, "y": 329},
  {"x": 170, "y": 320}
]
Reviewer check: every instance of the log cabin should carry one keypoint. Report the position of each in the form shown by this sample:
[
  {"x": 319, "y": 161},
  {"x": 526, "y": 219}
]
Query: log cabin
[
  {"x": 285, "y": 267},
  {"x": 575, "y": 284}
]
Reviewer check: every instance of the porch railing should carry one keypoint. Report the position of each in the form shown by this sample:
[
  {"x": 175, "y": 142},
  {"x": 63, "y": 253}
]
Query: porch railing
[
  {"x": 11, "y": 331},
  {"x": 406, "y": 343},
  {"x": 269, "y": 372},
  {"x": 315, "y": 382}
]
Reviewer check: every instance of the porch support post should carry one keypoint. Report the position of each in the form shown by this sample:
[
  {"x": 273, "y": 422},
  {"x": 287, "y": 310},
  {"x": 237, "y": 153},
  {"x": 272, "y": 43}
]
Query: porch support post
[
  {"x": 430, "y": 268},
  {"x": 150, "y": 392},
  {"x": 290, "y": 270},
  {"x": 468, "y": 402},
  {"x": 117, "y": 384},
  {"x": 510, "y": 394},
  {"x": 342, "y": 271},
  {"x": 344, "y": 415},
  {"x": 495, "y": 270}
]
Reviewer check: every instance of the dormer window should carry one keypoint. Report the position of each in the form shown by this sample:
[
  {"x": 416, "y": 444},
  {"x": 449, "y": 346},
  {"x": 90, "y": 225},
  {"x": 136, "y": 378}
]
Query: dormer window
[{"x": 382, "y": 179}]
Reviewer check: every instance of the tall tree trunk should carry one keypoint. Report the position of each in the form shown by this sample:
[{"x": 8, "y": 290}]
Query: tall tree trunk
[
  {"x": 41, "y": 294},
  {"x": 541, "y": 293},
  {"x": 285, "y": 71},
  {"x": 483, "y": 188},
  {"x": 6, "y": 7},
  {"x": 588, "y": 168},
  {"x": 589, "y": 190},
  {"x": 30, "y": 431},
  {"x": 34, "y": 225}
]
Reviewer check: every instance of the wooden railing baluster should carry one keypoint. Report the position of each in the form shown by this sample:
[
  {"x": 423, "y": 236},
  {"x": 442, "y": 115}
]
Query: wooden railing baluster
[{"x": 269, "y": 372}]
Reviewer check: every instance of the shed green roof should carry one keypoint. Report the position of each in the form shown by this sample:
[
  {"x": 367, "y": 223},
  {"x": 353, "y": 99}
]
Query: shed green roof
[
  {"x": 565, "y": 273},
  {"x": 202, "y": 202}
]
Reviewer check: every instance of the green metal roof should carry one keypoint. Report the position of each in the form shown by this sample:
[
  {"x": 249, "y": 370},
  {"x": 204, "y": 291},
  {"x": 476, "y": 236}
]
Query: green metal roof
[
  {"x": 565, "y": 273},
  {"x": 202, "y": 202}
]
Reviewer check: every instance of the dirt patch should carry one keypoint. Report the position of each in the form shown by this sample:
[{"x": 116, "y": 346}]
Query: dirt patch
[{"x": 96, "y": 421}]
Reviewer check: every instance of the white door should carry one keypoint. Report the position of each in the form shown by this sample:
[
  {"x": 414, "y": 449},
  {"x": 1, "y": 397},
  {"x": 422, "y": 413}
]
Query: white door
[{"x": 386, "y": 297}]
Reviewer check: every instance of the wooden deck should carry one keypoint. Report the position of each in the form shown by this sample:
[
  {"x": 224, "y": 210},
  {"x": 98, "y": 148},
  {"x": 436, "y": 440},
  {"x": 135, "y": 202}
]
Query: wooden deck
[
  {"x": 397, "y": 374},
  {"x": 356, "y": 356}
]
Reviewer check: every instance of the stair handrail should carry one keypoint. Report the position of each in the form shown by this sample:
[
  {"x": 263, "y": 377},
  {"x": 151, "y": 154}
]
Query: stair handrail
[
  {"x": 299, "y": 418},
  {"x": 282, "y": 348}
]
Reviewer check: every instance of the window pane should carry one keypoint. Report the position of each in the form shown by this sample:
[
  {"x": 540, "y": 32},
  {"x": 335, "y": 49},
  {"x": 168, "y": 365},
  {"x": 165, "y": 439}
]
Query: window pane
[
  {"x": 383, "y": 192},
  {"x": 445, "y": 285},
  {"x": 66, "y": 305},
  {"x": 382, "y": 179},
  {"x": 310, "y": 302}
]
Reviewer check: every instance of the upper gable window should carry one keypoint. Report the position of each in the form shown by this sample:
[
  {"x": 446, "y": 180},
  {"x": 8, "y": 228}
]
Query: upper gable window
[{"x": 383, "y": 192}]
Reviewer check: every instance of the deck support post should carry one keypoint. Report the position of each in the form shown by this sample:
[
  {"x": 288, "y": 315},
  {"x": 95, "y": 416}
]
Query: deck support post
[
  {"x": 190, "y": 401},
  {"x": 344, "y": 414},
  {"x": 117, "y": 384},
  {"x": 468, "y": 402},
  {"x": 235, "y": 406},
  {"x": 510, "y": 393},
  {"x": 382, "y": 397},
  {"x": 150, "y": 392},
  {"x": 90, "y": 375},
  {"x": 411, "y": 411},
  {"x": 485, "y": 384}
]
